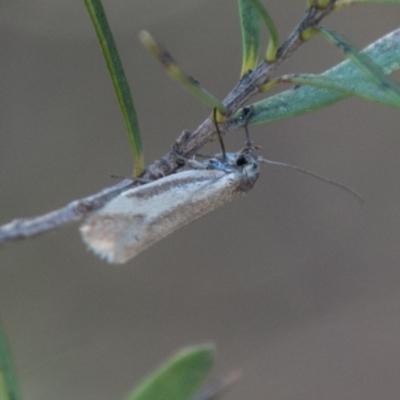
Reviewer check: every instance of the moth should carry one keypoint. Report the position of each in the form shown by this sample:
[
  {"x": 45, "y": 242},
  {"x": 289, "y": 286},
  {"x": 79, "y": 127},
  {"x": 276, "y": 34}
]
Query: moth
[{"x": 140, "y": 217}]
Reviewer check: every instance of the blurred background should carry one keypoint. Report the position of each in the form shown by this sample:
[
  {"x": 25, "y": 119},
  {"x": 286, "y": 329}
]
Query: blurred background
[{"x": 297, "y": 284}]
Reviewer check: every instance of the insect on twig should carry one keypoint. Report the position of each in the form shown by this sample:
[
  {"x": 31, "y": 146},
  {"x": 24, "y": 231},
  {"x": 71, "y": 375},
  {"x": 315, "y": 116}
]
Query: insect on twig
[{"x": 140, "y": 217}]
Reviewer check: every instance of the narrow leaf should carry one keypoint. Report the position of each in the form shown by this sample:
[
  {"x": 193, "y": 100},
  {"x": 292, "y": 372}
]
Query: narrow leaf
[
  {"x": 385, "y": 52},
  {"x": 273, "y": 33},
  {"x": 343, "y": 3},
  {"x": 178, "y": 75},
  {"x": 179, "y": 378},
  {"x": 361, "y": 87},
  {"x": 250, "y": 28},
  {"x": 9, "y": 389},
  {"x": 370, "y": 69},
  {"x": 120, "y": 83}
]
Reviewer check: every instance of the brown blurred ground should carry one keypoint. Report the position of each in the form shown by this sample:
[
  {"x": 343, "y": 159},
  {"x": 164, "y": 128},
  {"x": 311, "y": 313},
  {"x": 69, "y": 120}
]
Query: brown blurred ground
[{"x": 296, "y": 283}]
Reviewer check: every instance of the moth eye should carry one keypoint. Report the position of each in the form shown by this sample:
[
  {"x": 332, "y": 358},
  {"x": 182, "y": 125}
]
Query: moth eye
[
  {"x": 241, "y": 161},
  {"x": 255, "y": 166}
]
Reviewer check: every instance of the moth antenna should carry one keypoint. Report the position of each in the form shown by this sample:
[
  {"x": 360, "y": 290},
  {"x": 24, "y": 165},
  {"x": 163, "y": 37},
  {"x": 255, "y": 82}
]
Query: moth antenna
[
  {"x": 221, "y": 142},
  {"x": 204, "y": 155},
  {"x": 330, "y": 181}
]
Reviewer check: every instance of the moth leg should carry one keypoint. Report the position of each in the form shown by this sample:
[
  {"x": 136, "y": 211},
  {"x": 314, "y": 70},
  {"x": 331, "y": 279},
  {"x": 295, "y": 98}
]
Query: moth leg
[
  {"x": 187, "y": 161},
  {"x": 196, "y": 164},
  {"x": 247, "y": 113}
]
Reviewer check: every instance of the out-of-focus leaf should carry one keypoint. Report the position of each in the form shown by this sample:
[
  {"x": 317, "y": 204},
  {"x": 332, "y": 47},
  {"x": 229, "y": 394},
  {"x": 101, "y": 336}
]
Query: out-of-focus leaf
[
  {"x": 179, "y": 378},
  {"x": 385, "y": 52},
  {"x": 120, "y": 83},
  {"x": 9, "y": 389},
  {"x": 178, "y": 75}
]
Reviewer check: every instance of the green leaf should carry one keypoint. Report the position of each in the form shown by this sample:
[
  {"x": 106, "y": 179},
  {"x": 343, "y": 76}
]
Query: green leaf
[
  {"x": 375, "y": 85},
  {"x": 9, "y": 389},
  {"x": 385, "y": 52},
  {"x": 273, "y": 33},
  {"x": 343, "y": 3},
  {"x": 371, "y": 70},
  {"x": 178, "y": 75},
  {"x": 120, "y": 83},
  {"x": 250, "y": 28},
  {"x": 179, "y": 378},
  {"x": 361, "y": 87}
]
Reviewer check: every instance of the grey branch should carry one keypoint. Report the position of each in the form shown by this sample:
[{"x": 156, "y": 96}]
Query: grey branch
[
  {"x": 74, "y": 211},
  {"x": 184, "y": 146}
]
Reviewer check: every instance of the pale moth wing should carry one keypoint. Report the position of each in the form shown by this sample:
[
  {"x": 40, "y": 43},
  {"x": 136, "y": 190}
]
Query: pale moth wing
[{"x": 140, "y": 217}]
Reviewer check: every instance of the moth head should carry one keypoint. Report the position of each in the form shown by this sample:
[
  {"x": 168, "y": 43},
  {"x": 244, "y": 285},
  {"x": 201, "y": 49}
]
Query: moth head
[{"x": 247, "y": 162}]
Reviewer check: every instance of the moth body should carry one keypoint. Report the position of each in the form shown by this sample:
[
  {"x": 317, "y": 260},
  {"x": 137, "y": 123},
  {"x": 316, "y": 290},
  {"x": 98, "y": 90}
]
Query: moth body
[{"x": 139, "y": 217}]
